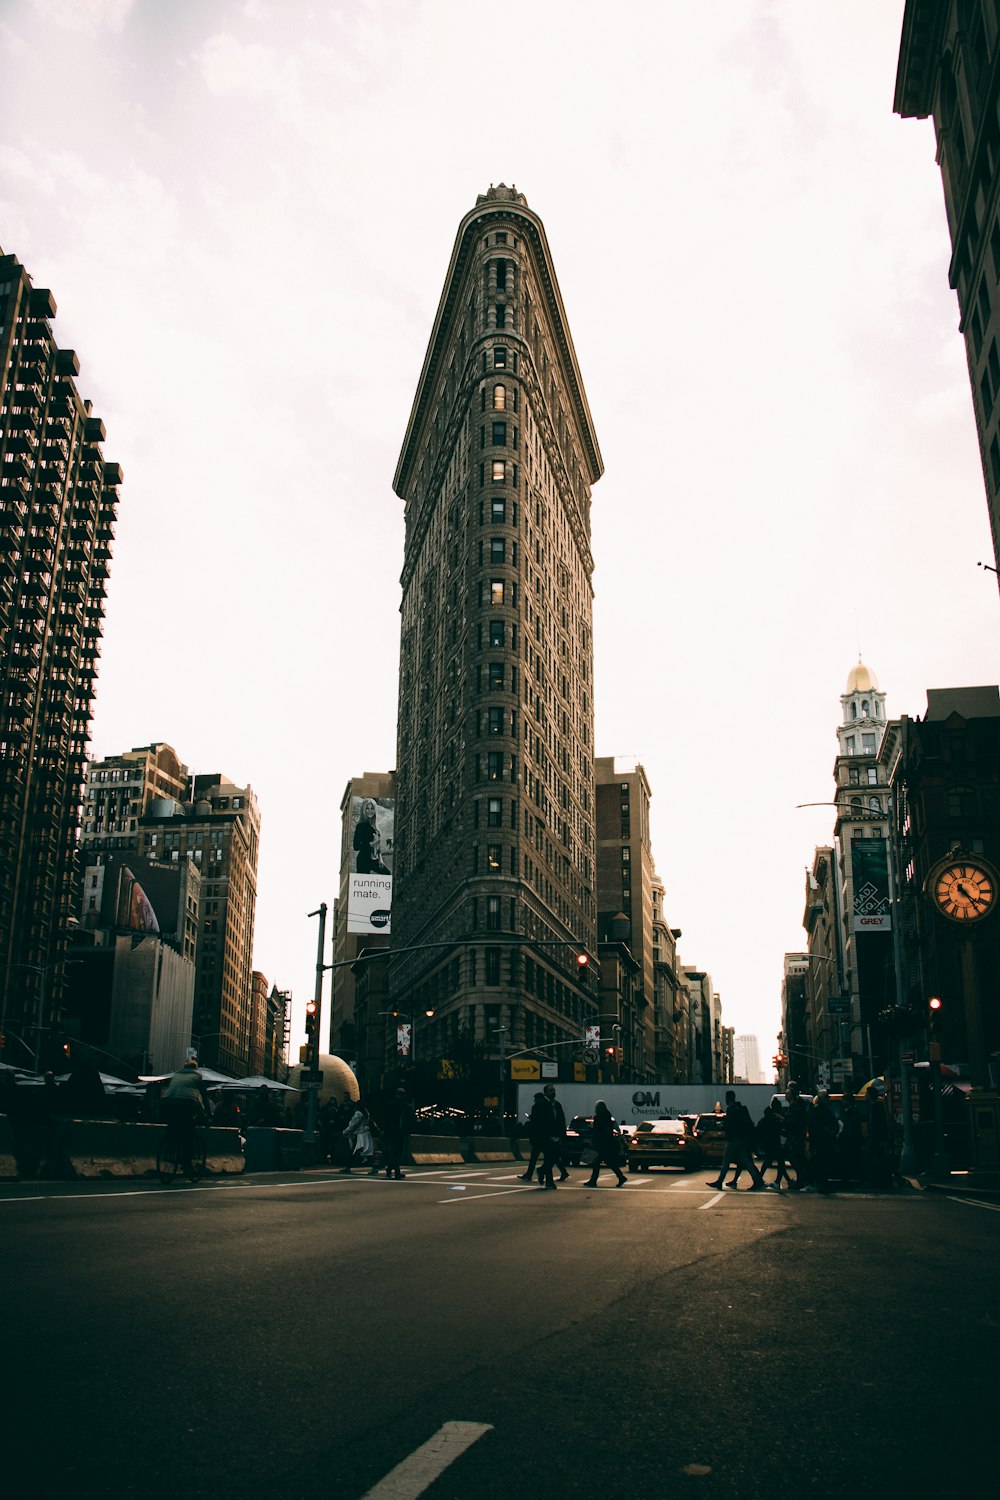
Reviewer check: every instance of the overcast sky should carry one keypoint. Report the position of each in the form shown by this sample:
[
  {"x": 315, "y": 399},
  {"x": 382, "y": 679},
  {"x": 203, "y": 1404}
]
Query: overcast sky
[{"x": 245, "y": 211}]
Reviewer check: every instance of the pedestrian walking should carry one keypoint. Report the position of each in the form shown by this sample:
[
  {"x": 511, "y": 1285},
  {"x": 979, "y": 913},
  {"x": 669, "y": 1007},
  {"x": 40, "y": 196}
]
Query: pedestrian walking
[
  {"x": 795, "y": 1136},
  {"x": 539, "y": 1123},
  {"x": 396, "y": 1125},
  {"x": 821, "y": 1128},
  {"x": 358, "y": 1139},
  {"x": 557, "y": 1141},
  {"x": 738, "y": 1130},
  {"x": 606, "y": 1145},
  {"x": 770, "y": 1134}
]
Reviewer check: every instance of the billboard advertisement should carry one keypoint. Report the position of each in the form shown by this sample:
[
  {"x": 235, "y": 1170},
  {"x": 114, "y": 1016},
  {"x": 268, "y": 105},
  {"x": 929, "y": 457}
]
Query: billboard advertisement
[
  {"x": 369, "y": 891},
  {"x": 870, "y": 868},
  {"x": 129, "y": 893}
]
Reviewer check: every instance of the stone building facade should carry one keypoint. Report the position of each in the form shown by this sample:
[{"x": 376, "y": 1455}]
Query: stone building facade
[
  {"x": 949, "y": 68},
  {"x": 495, "y": 836}
]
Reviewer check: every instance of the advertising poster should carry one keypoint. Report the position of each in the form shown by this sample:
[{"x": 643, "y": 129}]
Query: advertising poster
[
  {"x": 138, "y": 896},
  {"x": 870, "y": 868},
  {"x": 369, "y": 896}
]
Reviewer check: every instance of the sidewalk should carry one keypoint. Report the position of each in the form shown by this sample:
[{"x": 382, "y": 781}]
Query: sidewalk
[{"x": 980, "y": 1182}]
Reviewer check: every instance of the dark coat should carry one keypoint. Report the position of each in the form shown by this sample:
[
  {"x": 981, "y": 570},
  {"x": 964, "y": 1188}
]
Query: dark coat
[
  {"x": 541, "y": 1122},
  {"x": 606, "y": 1135}
]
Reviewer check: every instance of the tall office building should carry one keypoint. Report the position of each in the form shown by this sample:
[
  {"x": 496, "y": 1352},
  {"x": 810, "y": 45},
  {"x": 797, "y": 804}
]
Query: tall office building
[
  {"x": 495, "y": 841},
  {"x": 625, "y": 877},
  {"x": 949, "y": 67},
  {"x": 58, "y": 499},
  {"x": 746, "y": 1060},
  {"x": 147, "y": 801}
]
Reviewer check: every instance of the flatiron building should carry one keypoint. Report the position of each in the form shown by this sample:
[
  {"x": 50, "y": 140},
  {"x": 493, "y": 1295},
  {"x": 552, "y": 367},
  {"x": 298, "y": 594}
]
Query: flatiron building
[{"x": 494, "y": 869}]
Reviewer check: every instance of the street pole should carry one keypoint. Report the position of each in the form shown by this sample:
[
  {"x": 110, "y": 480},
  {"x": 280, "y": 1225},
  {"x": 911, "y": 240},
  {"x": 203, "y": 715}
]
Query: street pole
[
  {"x": 501, "y": 1031},
  {"x": 43, "y": 975},
  {"x": 311, "y": 1133}
]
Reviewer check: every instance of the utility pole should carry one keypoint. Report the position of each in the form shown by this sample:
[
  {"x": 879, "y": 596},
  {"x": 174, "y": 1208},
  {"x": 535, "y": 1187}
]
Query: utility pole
[{"x": 310, "y": 1134}]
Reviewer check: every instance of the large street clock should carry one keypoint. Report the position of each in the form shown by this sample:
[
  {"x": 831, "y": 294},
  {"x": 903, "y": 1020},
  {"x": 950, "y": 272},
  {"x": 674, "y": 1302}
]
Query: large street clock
[{"x": 963, "y": 887}]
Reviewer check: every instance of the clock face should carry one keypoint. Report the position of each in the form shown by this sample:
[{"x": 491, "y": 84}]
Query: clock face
[{"x": 964, "y": 891}]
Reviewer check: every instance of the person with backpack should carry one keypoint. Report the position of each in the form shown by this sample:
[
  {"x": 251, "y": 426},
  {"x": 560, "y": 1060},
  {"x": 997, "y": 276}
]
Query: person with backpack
[{"x": 738, "y": 1129}]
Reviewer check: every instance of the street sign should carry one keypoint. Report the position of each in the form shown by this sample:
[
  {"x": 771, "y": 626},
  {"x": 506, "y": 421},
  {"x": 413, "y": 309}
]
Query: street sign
[
  {"x": 839, "y": 1005},
  {"x": 550, "y": 1070},
  {"x": 305, "y": 1084},
  {"x": 908, "y": 1057},
  {"x": 590, "y": 1054},
  {"x": 311, "y": 1078}
]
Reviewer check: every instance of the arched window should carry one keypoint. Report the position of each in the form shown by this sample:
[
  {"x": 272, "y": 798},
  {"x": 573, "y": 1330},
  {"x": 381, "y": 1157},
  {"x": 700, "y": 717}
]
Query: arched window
[
  {"x": 856, "y": 805},
  {"x": 874, "y": 805},
  {"x": 864, "y": 708},
  {"x": 854, "y": 710}
]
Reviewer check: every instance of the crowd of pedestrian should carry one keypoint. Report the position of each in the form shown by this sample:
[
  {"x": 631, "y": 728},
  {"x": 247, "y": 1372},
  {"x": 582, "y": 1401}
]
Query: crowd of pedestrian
[{"x": 808, "y": 1146}]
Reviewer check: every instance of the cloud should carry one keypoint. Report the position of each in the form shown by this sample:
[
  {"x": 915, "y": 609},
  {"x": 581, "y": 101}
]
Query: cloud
[
  {"x": 88, "y": 16},
  {"x": 229, "y": 66}
]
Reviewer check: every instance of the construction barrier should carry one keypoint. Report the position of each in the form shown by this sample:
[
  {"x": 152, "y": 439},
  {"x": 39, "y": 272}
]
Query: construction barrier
[
  {"x": 434, "y": 1148},
  {"x": 102, "y": 1149},
  {"x": 491, "y": 1148}
]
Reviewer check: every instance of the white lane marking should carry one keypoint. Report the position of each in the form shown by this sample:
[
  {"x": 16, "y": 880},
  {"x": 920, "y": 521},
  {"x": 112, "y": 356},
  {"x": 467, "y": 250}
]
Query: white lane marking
[
  {"x": 711, "y": 1202},
  {"x": 418, "y": 1472},
  {"x": 478, "y": 1197},
  {"x": 975, "y": 1203}
]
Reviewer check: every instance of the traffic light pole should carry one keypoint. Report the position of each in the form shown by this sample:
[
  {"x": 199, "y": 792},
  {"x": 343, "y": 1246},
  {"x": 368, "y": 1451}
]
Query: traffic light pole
[{"x": 311, "y": 1133}]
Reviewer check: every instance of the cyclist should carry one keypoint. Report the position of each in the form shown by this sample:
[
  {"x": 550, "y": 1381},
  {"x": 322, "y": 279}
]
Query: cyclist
[{"x": 185, "y": 1105}]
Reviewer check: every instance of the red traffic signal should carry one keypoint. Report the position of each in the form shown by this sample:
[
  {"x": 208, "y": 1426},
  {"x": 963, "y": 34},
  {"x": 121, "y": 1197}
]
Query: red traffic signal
[
  {"x": 582, "y": 960},
  {"x": 310, "y": 1018},
  {"x": 934, "y": 1003}
]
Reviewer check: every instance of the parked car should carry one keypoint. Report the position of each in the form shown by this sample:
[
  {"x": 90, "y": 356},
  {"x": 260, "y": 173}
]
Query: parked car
[{"x": 663, "y": 1143}]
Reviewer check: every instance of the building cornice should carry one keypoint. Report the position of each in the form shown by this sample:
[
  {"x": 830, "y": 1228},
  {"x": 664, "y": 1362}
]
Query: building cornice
[{"x": 919, "y": 55}]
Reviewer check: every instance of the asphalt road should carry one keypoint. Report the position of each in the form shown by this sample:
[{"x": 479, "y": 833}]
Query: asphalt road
[{"x": 302, "y": 1336}]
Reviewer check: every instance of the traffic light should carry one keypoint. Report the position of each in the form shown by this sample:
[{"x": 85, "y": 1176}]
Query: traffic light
[
  {"x": 934, "y": 1012},
  {"x": 582, "y": 961},
  {"x": 935, "y": 1007},
  {"x": 310, "y": 1019}
]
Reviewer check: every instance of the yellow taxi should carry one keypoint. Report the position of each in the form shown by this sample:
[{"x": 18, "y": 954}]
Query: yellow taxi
[{"x": 663, "y": 1143}]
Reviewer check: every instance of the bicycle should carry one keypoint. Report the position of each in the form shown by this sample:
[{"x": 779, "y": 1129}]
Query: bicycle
[{"x": 170, "y": 1155}]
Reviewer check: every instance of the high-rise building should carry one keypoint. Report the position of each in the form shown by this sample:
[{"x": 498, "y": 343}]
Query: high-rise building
[
  {"x": 625, "y": 876},
  {"x": 746, "y": 1060},
  {"x": 864, "y": 950},
  {"x": 948, "y": 69},
  {"x": 146, "y": 800},
  {"x": 121, "y": 790},
  {"x": 707, "y": 1050},
  {"x": 58, "y": 500},
  {"x": 495, "y": 843}
]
